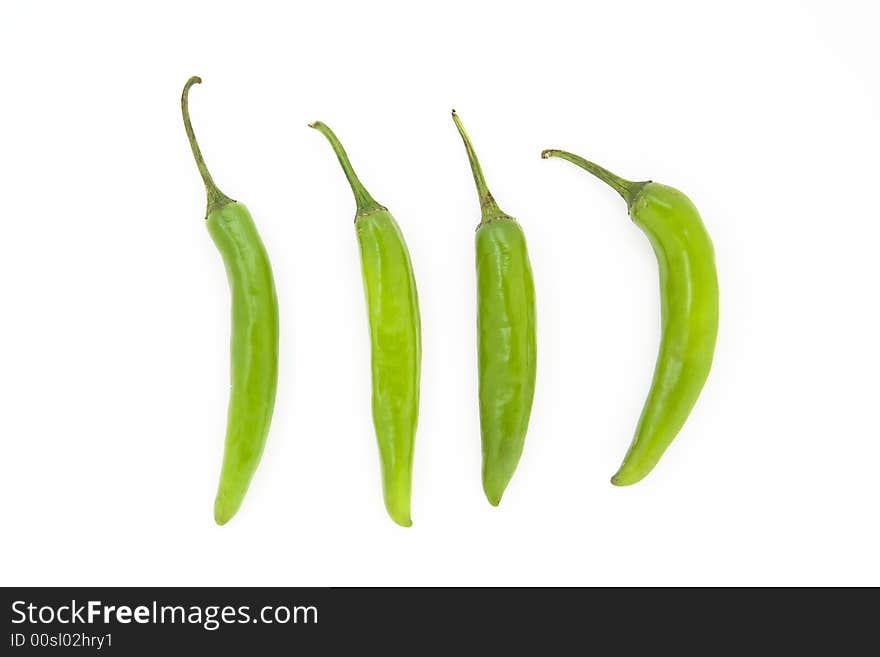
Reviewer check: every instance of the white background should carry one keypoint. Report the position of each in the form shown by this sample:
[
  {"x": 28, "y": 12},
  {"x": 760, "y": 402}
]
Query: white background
[{"x": 115, "y": 327}]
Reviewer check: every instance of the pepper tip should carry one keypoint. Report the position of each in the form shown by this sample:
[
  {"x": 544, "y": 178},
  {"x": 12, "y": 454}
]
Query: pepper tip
[
  {"x": 403, "y": 521},
  {"x": 493, "y": 496},
  {"x": 223, "y": 511},
  {"x": 620, "y": 480}
]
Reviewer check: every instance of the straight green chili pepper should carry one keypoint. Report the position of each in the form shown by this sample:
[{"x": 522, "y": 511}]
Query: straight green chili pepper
[
  {"x": 254, "y": 335},
  {"x": 689, "y": 311},
  {"x": 395, "y": 337},
  {"x": 506, "y": 343}
]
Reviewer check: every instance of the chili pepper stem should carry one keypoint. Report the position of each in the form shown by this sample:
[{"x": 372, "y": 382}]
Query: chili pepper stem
[
  {"x": 216, "y": 198},
  {"x": 488, "y": 207},
  {"x": 628, "y": 189},
  {"x": 362, "y": 197}
]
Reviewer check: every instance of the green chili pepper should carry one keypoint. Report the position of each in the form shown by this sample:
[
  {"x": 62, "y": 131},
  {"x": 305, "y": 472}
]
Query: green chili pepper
[
  {"x": 689, "y": 311},
  {"x": 254, "y": 336},
  {"x": 506, "y": 347},
  {"x": 395, "y": 337}
]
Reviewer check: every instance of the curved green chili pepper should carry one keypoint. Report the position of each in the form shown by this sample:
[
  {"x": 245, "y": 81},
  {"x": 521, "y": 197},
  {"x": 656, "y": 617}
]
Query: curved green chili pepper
[
  {"x": 254, "y": 336},
  {"x": 689, "y": 311},
  {"x": 395, "y": 337},
  {"x": 506, "y": 346}
]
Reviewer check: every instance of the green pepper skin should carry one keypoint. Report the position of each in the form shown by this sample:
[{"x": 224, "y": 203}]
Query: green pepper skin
[
  {"x": 506, "y": 335},
  {"x": 506, "y": 348},
  {"x": 254, "y": 335},
  {"x": 253, "y": 352},
  {"x": 395, "y": 338},
  {"x": 689, "y": 312}
]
